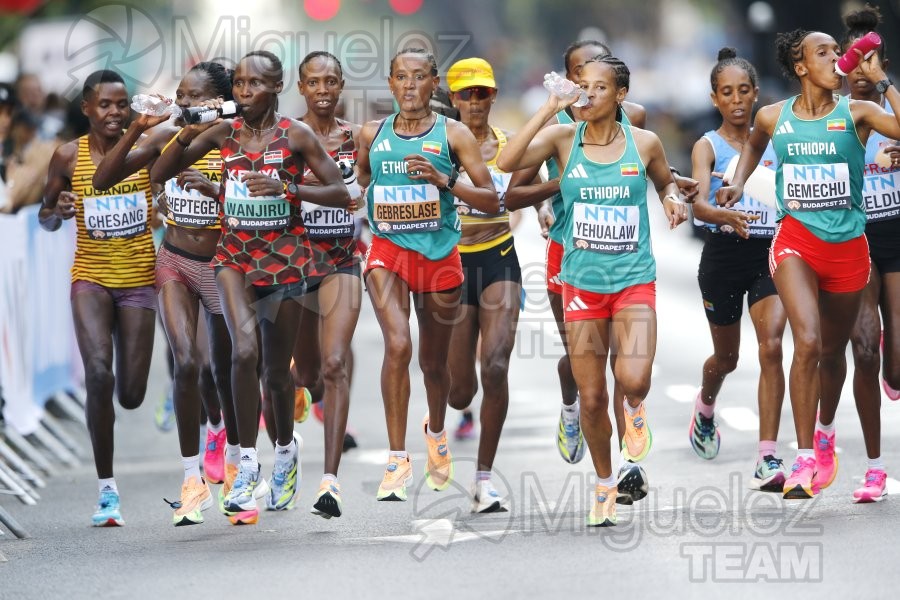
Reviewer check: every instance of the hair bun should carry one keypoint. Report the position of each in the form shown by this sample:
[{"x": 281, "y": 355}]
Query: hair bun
[
  {"x": 726, "y": 53},
  {"x": 867, "y": 18}
]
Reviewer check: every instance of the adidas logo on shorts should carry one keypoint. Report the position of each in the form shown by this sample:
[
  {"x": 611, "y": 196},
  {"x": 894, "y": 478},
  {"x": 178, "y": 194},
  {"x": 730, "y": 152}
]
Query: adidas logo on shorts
[{"x": 576, "y": 304}]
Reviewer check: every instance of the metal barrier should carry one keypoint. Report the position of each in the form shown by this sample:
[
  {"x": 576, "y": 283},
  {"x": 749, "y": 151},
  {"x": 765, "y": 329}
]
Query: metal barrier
[{"x": 38, "y": 360}]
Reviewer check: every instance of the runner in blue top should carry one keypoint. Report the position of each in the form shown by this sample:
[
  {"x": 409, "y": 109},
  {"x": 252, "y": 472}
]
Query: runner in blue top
[
  {"x": 881, "y": 195},
  {"x": 608, "y": 268},
  {"x": 409, "y": 163},
  {"x": 819, "y": 256},
  {"x": 735, "y": 263}
]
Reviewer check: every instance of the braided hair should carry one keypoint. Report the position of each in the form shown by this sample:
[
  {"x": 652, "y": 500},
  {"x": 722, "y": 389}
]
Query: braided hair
[
  {"x": 218, "y": 77},
  {"x": 789, "y": 50},
  {"x": 620, "y": 70}
]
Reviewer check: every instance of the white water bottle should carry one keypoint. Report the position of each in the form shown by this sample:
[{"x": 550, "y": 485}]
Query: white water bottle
[
  {"x": 153, "y": 105},
  {"x": 349, "y": 176},
  {"x": 560, "y": 86}
]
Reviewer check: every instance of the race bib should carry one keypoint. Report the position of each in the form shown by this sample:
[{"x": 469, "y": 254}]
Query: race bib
[
  {"x": 816, "y": 187},
  {"x": 881, "y": 196},
  {"x": 606, "y": 229},
  {"x": 118, "y": 216},
  {"x": 764, "y": 226},
  {"x": 406, "y": 208},
  {"x": 254, "y": 213},
  {"x": 327, "y": 221},
  {"x": 190, "y": 208},
  {"x": 501, "y": 183}
]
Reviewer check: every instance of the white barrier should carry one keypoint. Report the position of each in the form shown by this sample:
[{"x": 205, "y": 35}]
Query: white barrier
[{"x": 37, "y": 349}]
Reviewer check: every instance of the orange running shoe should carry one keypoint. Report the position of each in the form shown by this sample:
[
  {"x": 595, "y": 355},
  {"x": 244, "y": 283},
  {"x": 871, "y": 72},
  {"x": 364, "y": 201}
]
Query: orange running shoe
[
  {"x": 302, "y": 404},
  {"x": 603, "y": 512},
  {"x": 637, "y": 439},
  {"x": 439, "y": 468},
  {"x": 397, "y": 475},
  {"x": 195, "y": 498}
]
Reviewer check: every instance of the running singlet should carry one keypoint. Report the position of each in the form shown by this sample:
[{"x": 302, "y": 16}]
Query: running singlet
[
  {"x": 881, "y": 187},
  {"x": 114, "y": 246},
  {"x": 557, "y": 232},
  {"x": 472, "y": 216},
  {"x": 765, "y": 225},
  {"x": 331, "y": 229},
  {"x": 412, "y": 213},
  {"x": 820, "y": 172},
  {"x": 262, "y": 236},
  {"x": 189, "y": 208},
  {"x": 607, "y": 241}
]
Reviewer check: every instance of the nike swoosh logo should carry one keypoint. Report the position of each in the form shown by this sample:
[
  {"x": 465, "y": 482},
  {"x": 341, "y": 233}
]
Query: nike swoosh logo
[
  {"x": 232, "y": 158},
  {"x": 505, "y": 252}
]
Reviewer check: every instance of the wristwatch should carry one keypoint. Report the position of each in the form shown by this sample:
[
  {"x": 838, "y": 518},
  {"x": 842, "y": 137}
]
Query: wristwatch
[
  {"x": 290, "y": 188},
  {"x": 883, "y": 85},
  {"x": 451, "y": 180}
]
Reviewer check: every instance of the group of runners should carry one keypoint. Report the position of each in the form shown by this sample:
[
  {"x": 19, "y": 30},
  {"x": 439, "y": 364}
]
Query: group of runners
[{"x": 261, "y": 241}]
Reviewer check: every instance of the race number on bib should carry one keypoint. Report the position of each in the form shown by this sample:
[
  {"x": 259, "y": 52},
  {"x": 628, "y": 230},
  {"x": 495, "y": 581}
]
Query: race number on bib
[
  {"x": 606, "y": 229},
  {"x": 190, "y": 208},
  {"x": 816, "y": 187},
  {"x": 402, "y": 208},
  {"x": 501, "y": 183},
  {"x": 254, "y": 213},
  {"x": 881, "y": 196},
  {"x": 119, "y": 216},
  {"x": 327, "y": 221}
]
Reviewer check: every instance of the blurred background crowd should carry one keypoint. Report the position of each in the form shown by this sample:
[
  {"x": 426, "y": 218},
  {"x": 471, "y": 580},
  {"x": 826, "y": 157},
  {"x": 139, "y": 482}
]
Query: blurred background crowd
[{"x": 47, "y": 48}]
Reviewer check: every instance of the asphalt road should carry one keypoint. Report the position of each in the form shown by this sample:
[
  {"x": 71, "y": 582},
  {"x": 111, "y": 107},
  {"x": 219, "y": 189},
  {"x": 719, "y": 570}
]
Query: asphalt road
[{"x": 700, "y": 531}]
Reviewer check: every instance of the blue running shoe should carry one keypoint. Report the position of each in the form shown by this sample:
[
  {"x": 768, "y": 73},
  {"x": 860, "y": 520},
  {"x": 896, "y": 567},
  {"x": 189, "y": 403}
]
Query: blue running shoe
[
  {"x": 570, "y": 440},
  {"x": 108, "y": 513}
]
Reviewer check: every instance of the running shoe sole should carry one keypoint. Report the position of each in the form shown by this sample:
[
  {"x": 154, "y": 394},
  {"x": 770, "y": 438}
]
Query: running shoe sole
[
  {"x": 869, "y": 499},
  {"x": 775, "y": 483},
  {"x": 247, "y": 517},
  {"x": 632, "y": 486},
  {"x": 798, "y": 492},
  {"x": 195, "y": 517},
  {"x": 326, "y": 506}
]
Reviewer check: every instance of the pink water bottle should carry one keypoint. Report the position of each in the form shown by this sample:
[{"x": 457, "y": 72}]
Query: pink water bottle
[{"x": 867, "y": 44}]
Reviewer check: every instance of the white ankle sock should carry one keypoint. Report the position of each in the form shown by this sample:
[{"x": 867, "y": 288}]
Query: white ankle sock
[
  {"x": 232, "y": 454},
  {"x": 215, "y": 428},
  {"x": 191, "y": 466},
  {"x": 435, "y": 434},
  {"x": 400, "y": 454},
  {"x": 876, "y": 463},
  {"x": 249, "y": 459},
  {"x": 284, "y": 454},
  {"x": 829, "y": 429},
  {"x": 607, "y": 481},
  {"x": 108, "y": 485},
  {"x": 631, "y": 411}
]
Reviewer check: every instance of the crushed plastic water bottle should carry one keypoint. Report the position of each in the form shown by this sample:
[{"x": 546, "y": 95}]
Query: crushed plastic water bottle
[
  {"x": 560, "y": 86},
  {"x": 153, "y": 106}
]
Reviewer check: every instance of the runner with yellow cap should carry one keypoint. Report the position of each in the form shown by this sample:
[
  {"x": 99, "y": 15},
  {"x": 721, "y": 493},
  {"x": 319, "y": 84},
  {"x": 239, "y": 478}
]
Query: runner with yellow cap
[{"x": 492, "y": 288}]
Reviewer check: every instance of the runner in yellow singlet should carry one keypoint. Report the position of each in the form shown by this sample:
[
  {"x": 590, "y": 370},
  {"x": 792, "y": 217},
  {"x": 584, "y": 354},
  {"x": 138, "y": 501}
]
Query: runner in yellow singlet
[{"x": 113, "y": 303}]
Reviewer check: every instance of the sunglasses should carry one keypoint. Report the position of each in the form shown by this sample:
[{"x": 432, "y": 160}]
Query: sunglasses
[{"x": 479, "y": 92}]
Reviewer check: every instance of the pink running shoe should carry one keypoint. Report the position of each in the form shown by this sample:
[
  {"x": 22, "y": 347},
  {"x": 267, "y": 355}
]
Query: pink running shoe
[
  {"x": 826, "y": 460},
  {"x": 214, "y": 458},
  {"x": 873, "y": 488},
  {"x": 800, "y": 483}
]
